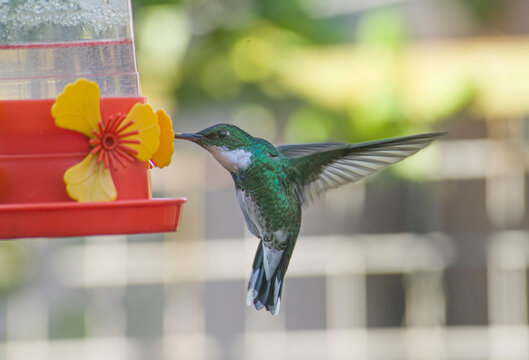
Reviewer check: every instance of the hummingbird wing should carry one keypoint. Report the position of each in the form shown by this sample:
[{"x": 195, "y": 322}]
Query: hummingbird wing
[{"x": 325, "y": 166}]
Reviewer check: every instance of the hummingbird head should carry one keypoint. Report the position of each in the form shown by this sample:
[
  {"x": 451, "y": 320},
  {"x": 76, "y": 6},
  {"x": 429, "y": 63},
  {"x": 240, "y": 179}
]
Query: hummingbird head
[
  {"x": 221, "y": 135},
  {"x": 227, "y": 143}
]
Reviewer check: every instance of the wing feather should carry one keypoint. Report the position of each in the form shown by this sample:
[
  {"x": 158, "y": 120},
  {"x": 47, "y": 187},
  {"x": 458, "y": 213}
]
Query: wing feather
[{"x": 325, "y": 166}]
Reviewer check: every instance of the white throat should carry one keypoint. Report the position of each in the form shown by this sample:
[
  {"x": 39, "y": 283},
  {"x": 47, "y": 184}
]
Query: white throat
[{"x": 232, "y": 160}]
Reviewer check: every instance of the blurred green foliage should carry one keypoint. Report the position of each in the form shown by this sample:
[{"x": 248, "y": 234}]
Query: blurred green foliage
[
  {"x": 227, "y": 54},
  {"x": 482, "y": 10},
  {"x": 348, "y": 77},
  {"x": 14, "y": 266}
]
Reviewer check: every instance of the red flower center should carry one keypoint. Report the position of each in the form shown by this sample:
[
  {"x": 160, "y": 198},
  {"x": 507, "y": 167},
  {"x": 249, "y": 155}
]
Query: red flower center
[{"x": 110, "y": 142}]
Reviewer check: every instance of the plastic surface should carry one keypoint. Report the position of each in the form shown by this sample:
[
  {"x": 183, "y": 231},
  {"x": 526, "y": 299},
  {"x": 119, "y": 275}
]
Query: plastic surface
[
  {"x": 42, "y": 70},
  {"x": 44, "y": 46},
  {"x": 47, "y": 44},
  {"x": 80, "y": 219},
  {"x": 34, "y": 154}
]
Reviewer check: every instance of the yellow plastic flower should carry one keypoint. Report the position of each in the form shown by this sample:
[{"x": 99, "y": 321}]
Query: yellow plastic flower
[
  {"x": 162, "y": 157},
  {"x": 90, "y": 181},
  {"x": 116, "y": 141}
]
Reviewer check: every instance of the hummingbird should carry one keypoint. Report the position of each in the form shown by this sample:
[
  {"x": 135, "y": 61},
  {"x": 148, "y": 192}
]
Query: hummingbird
[{"x": 273, "y": 184}]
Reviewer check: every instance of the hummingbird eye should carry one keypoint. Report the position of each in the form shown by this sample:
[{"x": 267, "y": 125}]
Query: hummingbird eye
[{"x": 222, "y": 134}]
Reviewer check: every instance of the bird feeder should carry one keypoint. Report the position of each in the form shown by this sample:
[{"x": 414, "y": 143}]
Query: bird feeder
[{"x": 77, "y": 139}]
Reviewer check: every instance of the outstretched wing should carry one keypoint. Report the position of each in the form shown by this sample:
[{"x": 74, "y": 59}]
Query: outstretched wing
[{"x": 325, "y": 166}]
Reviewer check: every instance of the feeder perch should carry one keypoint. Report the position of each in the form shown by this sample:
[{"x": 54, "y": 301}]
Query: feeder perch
[{"x": 77, "y": 139}]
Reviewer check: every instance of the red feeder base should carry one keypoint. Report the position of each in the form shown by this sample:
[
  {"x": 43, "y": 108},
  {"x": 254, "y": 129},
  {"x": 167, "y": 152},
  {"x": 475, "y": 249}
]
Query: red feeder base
[
  {"x": 95, "y": 218},
  {"x": 34, "y": 154}
]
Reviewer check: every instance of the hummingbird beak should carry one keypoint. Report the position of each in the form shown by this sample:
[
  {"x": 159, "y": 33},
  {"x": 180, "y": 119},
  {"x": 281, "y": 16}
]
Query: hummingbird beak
[{"x": 189, "y": 136}]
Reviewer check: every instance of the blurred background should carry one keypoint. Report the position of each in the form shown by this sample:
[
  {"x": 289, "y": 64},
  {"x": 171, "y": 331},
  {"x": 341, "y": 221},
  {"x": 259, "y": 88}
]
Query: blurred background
[{"x": 426, "y": 260}]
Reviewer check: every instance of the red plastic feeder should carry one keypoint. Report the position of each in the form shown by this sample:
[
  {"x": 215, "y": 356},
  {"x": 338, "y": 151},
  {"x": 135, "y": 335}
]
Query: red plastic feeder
[{"x": 35, "y": 153}]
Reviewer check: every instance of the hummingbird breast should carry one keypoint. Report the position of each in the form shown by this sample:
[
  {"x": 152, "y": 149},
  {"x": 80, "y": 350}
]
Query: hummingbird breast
[
  {"x": 270, "y": 205},
  {"x": 255, "y": 221}
]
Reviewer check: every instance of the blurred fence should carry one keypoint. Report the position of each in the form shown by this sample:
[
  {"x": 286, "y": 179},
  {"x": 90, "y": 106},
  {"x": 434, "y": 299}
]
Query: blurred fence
[{"x": 449, "y": 292}]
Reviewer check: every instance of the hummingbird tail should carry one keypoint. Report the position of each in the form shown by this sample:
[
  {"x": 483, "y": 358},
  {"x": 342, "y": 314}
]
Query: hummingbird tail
[{"x": 261, "y": 291}]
